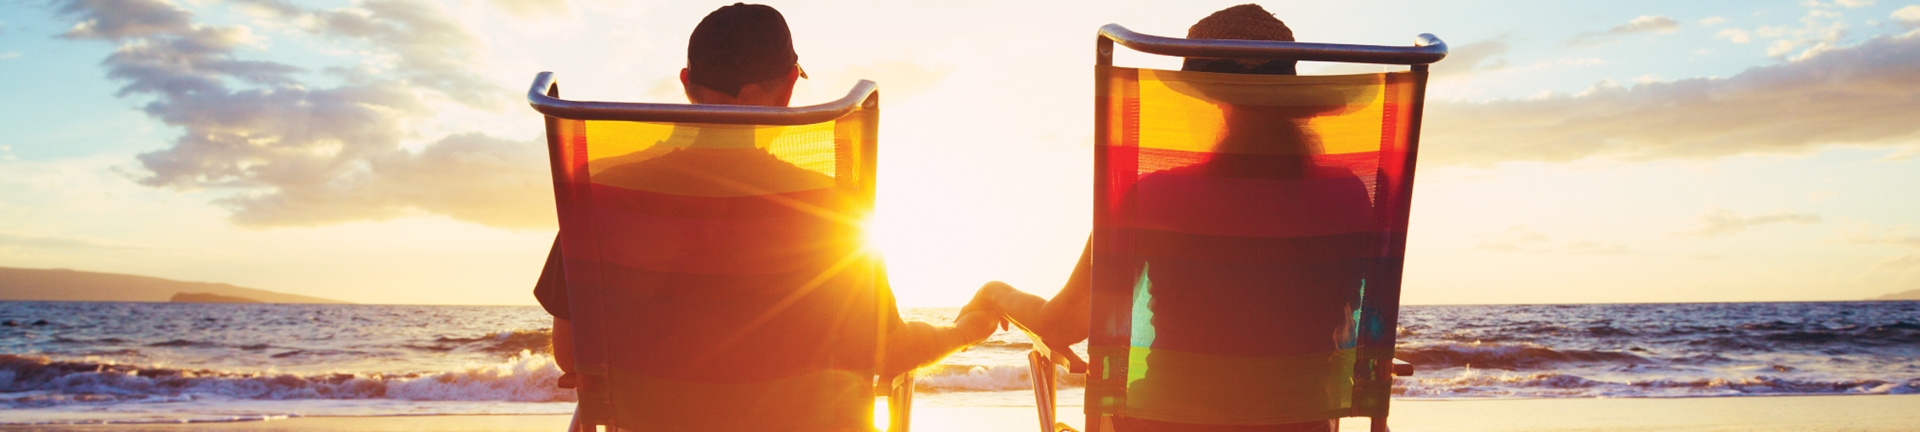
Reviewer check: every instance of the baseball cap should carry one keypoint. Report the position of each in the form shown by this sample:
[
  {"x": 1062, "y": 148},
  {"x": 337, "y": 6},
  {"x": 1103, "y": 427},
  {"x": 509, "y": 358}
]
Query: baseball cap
[{"x": 740, "y": 44}]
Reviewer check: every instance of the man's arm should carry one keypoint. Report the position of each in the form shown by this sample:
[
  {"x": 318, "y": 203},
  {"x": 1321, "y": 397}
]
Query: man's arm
[
  {"x": 551, "y": 291},
  {"x": 915, "y": 344}
]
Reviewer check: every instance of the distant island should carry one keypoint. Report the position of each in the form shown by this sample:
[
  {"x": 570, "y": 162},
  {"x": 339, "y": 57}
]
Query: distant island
[
  {"x": 18, "y": 284},
  {"x": 1903, "y": 295},
  {"x": 209, "y": 298}
]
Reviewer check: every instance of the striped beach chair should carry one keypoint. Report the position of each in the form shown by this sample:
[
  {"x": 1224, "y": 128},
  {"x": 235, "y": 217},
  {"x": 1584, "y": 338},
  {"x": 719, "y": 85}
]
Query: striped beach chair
[
  {"x": 1249, "y": 233},
  {"x": 715, "y": 264}
]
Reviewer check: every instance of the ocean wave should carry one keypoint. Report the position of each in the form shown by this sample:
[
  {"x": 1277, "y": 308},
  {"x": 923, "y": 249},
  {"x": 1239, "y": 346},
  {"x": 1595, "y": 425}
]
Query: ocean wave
[
  {"x": 505, "y": 342},
  {"x": 1520, "y": 356},
  {"x": 40, "y": 382},
  {"x": 977, "y": 378},
  {"x": 1562, "y": 385}
]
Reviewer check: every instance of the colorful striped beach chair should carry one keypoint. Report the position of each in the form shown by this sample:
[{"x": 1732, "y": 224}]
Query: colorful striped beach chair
[
  {"x": 715, "y": 264},
  {"x": 1249, "y": 233}
]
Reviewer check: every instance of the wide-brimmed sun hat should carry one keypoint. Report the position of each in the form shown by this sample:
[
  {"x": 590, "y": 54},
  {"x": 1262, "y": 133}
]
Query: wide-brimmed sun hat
[{"x": 1243, "y": 22}]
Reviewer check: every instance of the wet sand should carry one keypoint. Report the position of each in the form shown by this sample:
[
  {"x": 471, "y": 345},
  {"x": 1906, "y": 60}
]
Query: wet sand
[{"x": 1783, "y": 413}]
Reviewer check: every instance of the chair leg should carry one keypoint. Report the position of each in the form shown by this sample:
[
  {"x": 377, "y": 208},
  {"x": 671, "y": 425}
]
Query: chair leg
[
  {"x": 900, "y": 404},
  {"x": 1042, "y": 372},
  {"x": 575, "y": 426},
  {"x": 1379, "y": 424}
]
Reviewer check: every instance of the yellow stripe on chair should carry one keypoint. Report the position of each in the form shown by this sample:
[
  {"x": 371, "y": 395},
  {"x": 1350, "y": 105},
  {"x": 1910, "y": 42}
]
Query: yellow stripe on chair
[
  {"x": 729, "y": 151},
  {"x": 1182, "y": 110}
]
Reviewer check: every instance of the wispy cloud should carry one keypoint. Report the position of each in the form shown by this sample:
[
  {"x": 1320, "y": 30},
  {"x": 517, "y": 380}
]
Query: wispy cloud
[
  {"x": 1908, "y": 16},
  {"x": 1899, "y": 263},
  {"x": 1716, "y": 222},
  {"x": 1888, "y": 236},
  {"x": 1643, "y": 24},
  {"x": 1474, "y": 57},
  {"x": 1734, "y": 35},
  {"x": 299, "y": 154},
  {"x": 1520, "y": 239},
  {"x": 18, "y": 240},
  {"x": 1859, "y": 95},
  {"x": 534, "y": 8},
  {"x": 1712, "y": 20},
  {"x": 1854, "y": 3},
  {"x": 902, "y": 79}
]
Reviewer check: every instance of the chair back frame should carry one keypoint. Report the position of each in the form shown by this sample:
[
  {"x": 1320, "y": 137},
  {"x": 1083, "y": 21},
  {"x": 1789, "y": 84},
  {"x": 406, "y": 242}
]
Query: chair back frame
[
  {"x": 544, "y": 96},
  {"x": 1382, "y": 301}
]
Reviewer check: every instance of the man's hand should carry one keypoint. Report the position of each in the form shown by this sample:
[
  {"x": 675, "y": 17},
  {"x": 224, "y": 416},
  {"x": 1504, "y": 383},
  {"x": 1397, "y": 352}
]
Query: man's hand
[
  {"x": 986, "y": 300},
  {"x": 974, "y": 327}
]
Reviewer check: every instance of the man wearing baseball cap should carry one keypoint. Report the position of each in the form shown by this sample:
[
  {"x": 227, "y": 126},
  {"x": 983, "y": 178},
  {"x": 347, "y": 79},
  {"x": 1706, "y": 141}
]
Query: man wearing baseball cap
[{"x": 742, "y": 54}]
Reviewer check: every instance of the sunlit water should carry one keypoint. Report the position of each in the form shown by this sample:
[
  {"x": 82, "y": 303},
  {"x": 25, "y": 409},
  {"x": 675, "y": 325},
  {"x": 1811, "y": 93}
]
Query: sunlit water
[{"x": 143, "y": 362}]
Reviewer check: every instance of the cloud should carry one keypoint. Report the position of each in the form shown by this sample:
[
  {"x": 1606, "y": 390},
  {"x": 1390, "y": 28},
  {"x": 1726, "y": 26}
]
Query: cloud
[
  {"x": 1716, "y": 222},
  {"x": 535, "y": 8},
  {"x": 1735, "y": 35},
  {"x": 1597, "y": 248},
  {"x": 17, "y": 240},
  {"x": 1474, "y": 57},
  {"x": 899, "y": 80},
  {"x": 433, "y": 50},
  {"x": 9, "y": 55},
  {"x": 1854, "y": 3},
  {"x": 1520, "y": 239},
  {"x": 1899, "y": 263},
  {"x": 272, "y": 8},
  {"x": 1515, "y": 239},
  {"x": 1908, "y": 16},
  {"x": 1859, "y": 95},
  {"x": 1712, "y": 20},
  {"x": 1643, "y": 24},
  {"x": 298, "y": 154},
  {"x": 1647, "y": 23},
  {"x": 1891, "y": 236}
]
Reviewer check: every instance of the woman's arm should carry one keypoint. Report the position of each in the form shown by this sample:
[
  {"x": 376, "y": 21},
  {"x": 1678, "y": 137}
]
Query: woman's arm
[
  {"x": 1060, "y": 321},
  {"x": 563, "y": 352}
]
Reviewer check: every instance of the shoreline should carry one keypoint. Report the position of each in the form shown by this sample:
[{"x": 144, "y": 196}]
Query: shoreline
[{"x": 1689, "y": 414}]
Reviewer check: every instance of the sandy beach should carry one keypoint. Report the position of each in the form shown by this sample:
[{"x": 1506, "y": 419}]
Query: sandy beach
[{"x": 1783, "y": 413}]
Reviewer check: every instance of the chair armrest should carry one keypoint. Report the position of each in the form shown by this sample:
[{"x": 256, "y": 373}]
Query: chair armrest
[
  {"x": 884, "y": 386},
  {"x": 1058, "y": 354},
  {"x": 1402, "y": 368},
  {"x": 899, "y": 393}
]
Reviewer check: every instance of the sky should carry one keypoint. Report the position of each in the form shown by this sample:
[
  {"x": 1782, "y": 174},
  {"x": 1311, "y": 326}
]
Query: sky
[{"x": 380, "y": 151}]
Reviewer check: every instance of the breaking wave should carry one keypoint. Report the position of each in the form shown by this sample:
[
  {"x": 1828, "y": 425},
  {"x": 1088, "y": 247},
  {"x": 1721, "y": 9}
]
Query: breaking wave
[{"x": 27, "y": 382}]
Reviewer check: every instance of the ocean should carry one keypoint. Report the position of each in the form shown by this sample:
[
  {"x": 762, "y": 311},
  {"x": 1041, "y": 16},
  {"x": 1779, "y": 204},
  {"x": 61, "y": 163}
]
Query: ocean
[{"x": 83, "y": 362}]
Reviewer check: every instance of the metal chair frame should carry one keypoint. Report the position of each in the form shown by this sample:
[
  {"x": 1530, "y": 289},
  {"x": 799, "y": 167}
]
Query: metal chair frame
[
  {"x": 1047, "y": 358},
  {"x": 544, "y": 96}
]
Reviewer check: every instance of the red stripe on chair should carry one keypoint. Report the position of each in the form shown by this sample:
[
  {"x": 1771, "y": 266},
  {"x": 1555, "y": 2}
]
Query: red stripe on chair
[
  {"x": 784, "y": 329},
  {"x": 1158, "y": 244},
  {"x": 1178, "y": 200},
  {"x": 722, "y": 246}
]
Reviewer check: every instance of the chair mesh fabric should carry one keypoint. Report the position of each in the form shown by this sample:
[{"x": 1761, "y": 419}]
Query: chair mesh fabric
[
  {"x": 1247, "y": 245},
  {"x": 716, "y": 274}
]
